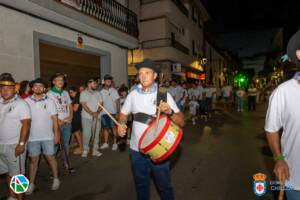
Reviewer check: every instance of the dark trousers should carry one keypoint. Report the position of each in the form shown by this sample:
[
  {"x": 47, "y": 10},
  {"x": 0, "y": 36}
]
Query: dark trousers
[
  {"x": 208, "y": 104},
  {"x": 251, "y": 103},
  {"x": 142, "y": 168}
]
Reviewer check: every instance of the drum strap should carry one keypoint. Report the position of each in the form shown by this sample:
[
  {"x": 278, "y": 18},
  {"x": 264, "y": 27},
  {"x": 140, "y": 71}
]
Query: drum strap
[{"x": 143, "y": 118}]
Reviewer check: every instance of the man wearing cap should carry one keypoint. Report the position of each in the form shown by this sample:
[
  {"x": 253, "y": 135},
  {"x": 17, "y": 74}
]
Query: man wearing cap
[
  {"x": 284, "y": 112},
  {"x": 143, "y": 100},
  {"x": 63, "y": 104},
  {"x": 15, "y": 119},
  {"x": 44, "y": 132},
  {"x": 111, "y": 102},
  {"x": 90, "y": 114}
]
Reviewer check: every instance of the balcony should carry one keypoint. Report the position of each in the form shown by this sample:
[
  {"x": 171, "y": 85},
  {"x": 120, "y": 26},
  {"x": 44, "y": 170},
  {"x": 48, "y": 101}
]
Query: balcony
[
  {"x": 181, "y": 7},
  {"x": 107, "y": 11},
  {"x": 165, "y": 42}
]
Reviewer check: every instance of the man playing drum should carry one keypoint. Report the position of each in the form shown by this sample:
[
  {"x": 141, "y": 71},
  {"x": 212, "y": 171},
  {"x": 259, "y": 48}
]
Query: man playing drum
[{"x": 142, "y": 101}]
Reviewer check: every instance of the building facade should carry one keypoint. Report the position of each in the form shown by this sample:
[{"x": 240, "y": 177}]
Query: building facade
[{"x": 81, "y": 38}]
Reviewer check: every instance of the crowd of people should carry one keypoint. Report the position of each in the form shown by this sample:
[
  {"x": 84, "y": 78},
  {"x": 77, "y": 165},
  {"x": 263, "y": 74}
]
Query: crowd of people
[{"x": 48, "y": 118}]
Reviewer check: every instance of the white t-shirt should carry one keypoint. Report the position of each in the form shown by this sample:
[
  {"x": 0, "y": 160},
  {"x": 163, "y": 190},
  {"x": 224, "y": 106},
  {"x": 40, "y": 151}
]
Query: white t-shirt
[
  {"x": 109, "y": 100},
  {"x": 193, "y": 107},
  {"x": 199, "y": 92},
  {"x": 62, "y": 102},
  {"x": 227, "y": 91},
  {"x": 240, "y": 93},
  {"x": 284, "y": 112},
  {"x": 11, "y": 114},
  {"x": 41, "y": 123},
  {"x": 138, "y": 101},
  {"x": 91, "y": 98},
  {"x": 209, "y": 92}
]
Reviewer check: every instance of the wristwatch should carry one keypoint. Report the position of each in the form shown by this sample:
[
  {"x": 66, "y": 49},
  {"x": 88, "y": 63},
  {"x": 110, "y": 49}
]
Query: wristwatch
[
  {"x": 172, "y": 113},
  {"x": 21, "y": 143}
]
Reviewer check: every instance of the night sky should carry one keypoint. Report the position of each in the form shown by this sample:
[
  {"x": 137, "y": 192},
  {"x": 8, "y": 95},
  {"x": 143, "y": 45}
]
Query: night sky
[{"x": 246, "y": 27}]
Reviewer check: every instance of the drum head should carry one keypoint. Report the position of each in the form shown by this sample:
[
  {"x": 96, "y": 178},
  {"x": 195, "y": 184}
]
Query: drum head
[{"x": 152, "y": 133}]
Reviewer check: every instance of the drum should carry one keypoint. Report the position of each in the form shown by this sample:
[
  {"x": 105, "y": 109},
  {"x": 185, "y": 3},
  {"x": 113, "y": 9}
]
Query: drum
[{"x": 160, "y": 141}]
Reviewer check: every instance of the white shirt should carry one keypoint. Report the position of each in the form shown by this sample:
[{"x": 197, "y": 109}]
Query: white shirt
[
  {"x": 284, "y": 112},
  {"x": 11, "y": 114},
  {"x": 91, "y": 98},
  {"x": 252, "y": 91},
  {"x": 240, "y": 93},
  {"x": 41, "y": 123},
  {"x": 138, "y": 101},
  {"x": 193, "y": 107},
  {"x": 199, "y": 92},
  {"x": 227, "y": 91},
  {"x": 109, "y": 99},
  {"x": 62, "y": 103},
  {"x": 209, "y": 92}
]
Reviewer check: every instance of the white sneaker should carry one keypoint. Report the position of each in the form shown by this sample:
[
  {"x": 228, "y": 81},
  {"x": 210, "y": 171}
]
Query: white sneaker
[
  {"x": 96, "y": 153},
  {"x": 30, "y": 189},
  {"x": 84, "y": 154},
  {"x": 55, "y": 184},
  {"x": 114, "y": 147},
  {"x": 104, "y": 146},
  {"x": 11, "y": 198}
]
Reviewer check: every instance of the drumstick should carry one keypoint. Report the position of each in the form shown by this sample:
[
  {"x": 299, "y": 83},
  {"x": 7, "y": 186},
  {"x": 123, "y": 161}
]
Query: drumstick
[
  {"x": 281, "y": 192},
  {"x": 112, "y": 118}
]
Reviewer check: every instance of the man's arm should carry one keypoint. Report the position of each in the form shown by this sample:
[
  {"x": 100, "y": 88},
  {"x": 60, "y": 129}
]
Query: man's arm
[
  {"x": 24, "y": 134},
  {"x": 123, "y": 128},
  {"x": 281, "y": 168},
  {"x": 178, "y": 118},
  {"x": 56, "y": 129},
  {"x": 118, "y": 105},
  {"x": 88, "y": 110}
]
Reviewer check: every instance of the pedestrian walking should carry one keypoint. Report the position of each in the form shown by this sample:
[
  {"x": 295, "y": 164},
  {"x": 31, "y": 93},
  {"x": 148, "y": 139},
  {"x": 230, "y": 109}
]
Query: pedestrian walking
[
  {"x": 144, "y": 100},
  {"x": 240, "y": 94},
  {"x": 15, "y": 119},
  {"x": 44, "y": 133},
  {"x": 252, "y": 92},
  {"x": 193, "y": 105}
]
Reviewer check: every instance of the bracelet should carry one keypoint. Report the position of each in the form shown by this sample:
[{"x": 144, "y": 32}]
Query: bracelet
[{"x": 279, "y": 157}]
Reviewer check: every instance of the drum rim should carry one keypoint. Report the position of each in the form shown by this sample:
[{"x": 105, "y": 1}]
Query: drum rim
[
  {"x": 171, "y": 150},
  {"x": 151, "y": 145}
]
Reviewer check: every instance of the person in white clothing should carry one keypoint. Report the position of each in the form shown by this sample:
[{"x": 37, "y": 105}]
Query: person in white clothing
[
  {"x": 15, "y": 119},
  {"x": 194, "y": 105},
  {"x": 111, "y": 102},
  {"x": 64, "y": 108},
  {"x": 284, "y": 112},
  {"x": 143, "y": 100},
  {"x": 90, "y": 117},
  {"x": 240, "y": 93},
  {"x": 44, "y": 132}
]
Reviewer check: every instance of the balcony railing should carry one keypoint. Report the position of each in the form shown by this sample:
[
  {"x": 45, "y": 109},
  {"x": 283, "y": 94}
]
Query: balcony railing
[
  {"x": 165, "y": 42},
  {"x": 181, "y": 7},
  {"x": 107, "y": 11}
]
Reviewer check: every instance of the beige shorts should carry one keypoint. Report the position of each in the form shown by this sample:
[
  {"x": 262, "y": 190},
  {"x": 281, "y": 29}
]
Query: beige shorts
[{"x": 9, "y": 163}]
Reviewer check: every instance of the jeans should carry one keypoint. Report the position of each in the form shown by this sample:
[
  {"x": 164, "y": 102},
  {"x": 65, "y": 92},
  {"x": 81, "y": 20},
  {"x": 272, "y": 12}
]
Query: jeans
[
  {"x": 66, "y": 132},
  {"x": 208, "y": 104},
  {"x": 240, "y": 103},
  {"x": 251, "y": 103},
  {"x": 87, "y": 129},
  {"x": 142, "y": 168},
  {"x": 293, "y": 194}
]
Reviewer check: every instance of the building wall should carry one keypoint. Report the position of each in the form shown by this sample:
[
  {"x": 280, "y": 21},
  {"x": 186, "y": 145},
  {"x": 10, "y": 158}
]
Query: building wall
[{"x": 17, "y": 48}]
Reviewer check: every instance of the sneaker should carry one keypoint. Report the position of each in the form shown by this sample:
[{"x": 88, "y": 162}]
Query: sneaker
[
  {"x": 77, "y": 151},
  {"x": 104, "y": 146},
  {"x": 84, "y": 154},
  {"x": 55, "y": 184},
  {"x": 96, "y": 153},
  {"x": 11, "y": 198},
  {"x": 114, "y": 147},
  {"x": 30, "y": 189}
]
